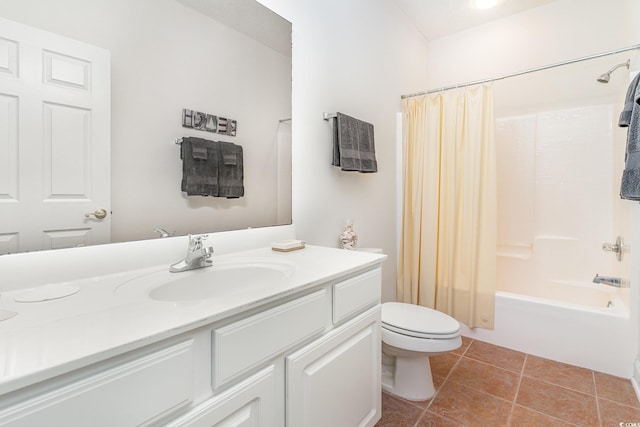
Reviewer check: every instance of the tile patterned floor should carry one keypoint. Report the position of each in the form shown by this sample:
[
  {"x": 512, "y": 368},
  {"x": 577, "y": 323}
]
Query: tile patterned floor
[{"x": 489, "y": 386}]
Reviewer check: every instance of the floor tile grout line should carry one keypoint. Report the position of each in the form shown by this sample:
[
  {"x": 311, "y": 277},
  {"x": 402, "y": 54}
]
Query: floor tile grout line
[
  {"x": 493, "y": 364},
  {"x": 410, "y": 402},
  {"x": 444, "y": 381},
  {"x": 515, "y": 396},
  {"x": 568, "y": 389},
  {"x": 560, "y": 385},
  {"x": 513, "y": 371},
  {"x": 592, "y": 372},
  {"x": 471, "y": 341},
  {"x": 424, "y": 411},
  {"x": 477, "y": 390},
  {"x": 548, "y": 415},
  {"x": 626, "y": 405},
  {"x": 438, "y": 415},
  {"x": 522, "y": 376},
  {"x": 433, "y": 398},
  {"x": 595, "y": 391}
]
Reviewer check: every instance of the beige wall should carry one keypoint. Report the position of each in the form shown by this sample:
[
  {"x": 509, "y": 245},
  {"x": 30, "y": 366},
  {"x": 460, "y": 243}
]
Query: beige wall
[
  {"x": 556, "y": 32},
  {"x": 356, "y": 57}
]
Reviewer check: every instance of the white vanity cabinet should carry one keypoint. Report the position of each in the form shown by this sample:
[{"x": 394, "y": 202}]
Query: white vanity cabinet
[
  {"x": 329, "y": 344},
  {"x": 243, "y": 345},
  {"x": 335, "y": 381},
  {"x": 252, "y": 402},
  {"x": 310, "y": 357},
  {"x": 130, "y": 392}
]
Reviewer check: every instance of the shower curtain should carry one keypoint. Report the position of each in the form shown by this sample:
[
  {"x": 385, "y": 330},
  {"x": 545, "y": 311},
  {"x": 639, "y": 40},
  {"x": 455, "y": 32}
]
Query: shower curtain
[{"x": 448, "y": 241}]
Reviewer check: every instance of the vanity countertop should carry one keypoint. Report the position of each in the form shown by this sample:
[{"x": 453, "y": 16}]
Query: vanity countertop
[{"x": 113, "y": 314}]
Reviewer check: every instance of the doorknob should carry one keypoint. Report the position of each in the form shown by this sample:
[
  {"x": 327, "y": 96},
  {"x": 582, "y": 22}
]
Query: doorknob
[{"x": 99, "y": 214}]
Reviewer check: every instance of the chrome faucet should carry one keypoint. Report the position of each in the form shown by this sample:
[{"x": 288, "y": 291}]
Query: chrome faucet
[
  {"x": 611, "y": 281},
  {"x": 162, "y": 232},
  {"x": 197, "y": 256}
]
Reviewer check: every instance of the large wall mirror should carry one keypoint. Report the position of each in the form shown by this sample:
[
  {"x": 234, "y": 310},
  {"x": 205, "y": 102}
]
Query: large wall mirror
[{"x": 228, "y": 58}]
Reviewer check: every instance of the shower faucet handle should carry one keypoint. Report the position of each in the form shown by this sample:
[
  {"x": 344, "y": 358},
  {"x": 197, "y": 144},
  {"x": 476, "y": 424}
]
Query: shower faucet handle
[{"x": 617, "y": 248}]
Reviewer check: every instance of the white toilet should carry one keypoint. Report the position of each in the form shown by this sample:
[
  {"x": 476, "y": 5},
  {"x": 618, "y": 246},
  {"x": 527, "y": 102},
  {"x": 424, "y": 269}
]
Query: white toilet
[{"x": 410, "y": 334}]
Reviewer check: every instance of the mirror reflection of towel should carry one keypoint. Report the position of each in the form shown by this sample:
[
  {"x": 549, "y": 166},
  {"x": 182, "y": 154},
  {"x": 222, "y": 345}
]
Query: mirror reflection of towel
[
  {"x": 212, "y": 168},
  {"x": 630, "y": 118},
  {"x": 199, "y": 167},
  {"x": 353, "y": 145},
  {"x": 199, "y": 148},
  {"x": 230, "y": 171}
]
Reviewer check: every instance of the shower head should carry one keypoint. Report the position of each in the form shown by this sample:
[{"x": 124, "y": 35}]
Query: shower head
[{"x": 604, "y": 78}]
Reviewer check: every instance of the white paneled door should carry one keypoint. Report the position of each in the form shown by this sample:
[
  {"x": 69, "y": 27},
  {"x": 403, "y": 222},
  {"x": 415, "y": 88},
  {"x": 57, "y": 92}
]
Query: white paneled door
[{"x": 55, "y": 141}]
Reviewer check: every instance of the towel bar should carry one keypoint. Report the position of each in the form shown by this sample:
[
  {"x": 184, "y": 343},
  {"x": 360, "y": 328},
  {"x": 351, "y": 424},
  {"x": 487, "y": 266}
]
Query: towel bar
[
  {"x": 178, "y": 141},
  {"x": 328, "y": 116}
]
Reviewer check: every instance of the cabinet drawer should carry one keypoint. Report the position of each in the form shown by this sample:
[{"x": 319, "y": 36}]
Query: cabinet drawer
[
  {"x": 252, "y": 402},
  {"x": 134, "y": 393},
  {"x": 356, "y": 294},
  {"x": 245, "y": 344}
]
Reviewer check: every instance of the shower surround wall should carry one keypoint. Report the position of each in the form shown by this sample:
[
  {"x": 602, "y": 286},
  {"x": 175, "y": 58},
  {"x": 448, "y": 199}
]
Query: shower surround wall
[
  {"x": 554, "y": 197},
  {"x": 555, "y": 208}
]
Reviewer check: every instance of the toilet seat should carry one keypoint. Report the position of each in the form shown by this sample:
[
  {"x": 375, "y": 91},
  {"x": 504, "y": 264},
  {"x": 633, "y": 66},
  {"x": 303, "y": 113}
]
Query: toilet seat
[{"x": 418, "y": 322}]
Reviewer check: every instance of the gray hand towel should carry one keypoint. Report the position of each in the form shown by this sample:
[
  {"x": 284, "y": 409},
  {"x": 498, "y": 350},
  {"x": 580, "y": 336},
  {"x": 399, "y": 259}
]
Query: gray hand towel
[
  {"x": 230, "y": 159},
  {"x": 230, "y": 171},
  {"x": 199, "y": 148},
  {"x": 353, "y": 145},
  {"x": 630, "y": 118},
  {"x": 199, "y": 175},
  {"x": 629, "y": 102}
]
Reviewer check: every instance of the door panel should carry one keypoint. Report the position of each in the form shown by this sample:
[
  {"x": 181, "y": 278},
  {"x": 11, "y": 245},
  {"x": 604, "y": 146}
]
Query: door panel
[{"x": 55, "y": 140}]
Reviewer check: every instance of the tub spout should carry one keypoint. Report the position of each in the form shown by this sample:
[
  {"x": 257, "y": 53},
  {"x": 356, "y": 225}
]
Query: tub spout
[{"x": 611, "y": 281}]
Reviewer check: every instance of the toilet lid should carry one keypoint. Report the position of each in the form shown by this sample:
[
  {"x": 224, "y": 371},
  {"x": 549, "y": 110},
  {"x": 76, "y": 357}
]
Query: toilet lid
[{"x": 418, "y": 321}]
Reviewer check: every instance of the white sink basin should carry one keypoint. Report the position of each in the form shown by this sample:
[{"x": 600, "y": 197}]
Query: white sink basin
[{"x": 223, "y": 279}]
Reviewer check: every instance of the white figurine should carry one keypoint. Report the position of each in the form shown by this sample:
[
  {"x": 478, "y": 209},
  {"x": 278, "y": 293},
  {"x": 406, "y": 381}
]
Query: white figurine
[{"x": 348, "y": 238}]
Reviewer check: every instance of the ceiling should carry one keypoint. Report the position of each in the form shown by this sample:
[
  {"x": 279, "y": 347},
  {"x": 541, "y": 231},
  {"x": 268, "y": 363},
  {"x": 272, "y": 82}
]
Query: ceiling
[
  {"x": 433, "y": 18},
  {"x": 250, "y": 18},
  {"x": 438, "y": 18}
]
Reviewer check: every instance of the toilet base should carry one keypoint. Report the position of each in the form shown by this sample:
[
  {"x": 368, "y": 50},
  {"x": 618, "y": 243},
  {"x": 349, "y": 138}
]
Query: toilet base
[{"x": 409, "y": 378}]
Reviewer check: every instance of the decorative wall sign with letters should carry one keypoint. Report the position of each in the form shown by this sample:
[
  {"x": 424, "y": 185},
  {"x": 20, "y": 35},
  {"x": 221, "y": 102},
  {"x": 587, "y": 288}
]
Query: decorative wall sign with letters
[{"x": 208, "y": 122}]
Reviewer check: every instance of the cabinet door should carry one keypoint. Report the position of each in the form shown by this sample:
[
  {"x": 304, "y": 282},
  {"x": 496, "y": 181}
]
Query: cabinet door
[
  {"x": 248, "y": 404},
  {"x": 336, "y": 380}
]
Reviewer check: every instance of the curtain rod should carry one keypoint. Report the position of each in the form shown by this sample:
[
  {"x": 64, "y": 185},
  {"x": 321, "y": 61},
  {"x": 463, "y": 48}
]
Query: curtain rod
[{"x": 519, "y": 73}]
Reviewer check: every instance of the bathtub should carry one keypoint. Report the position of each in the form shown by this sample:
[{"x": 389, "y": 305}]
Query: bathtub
[{"x": 582, "y": 324}]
